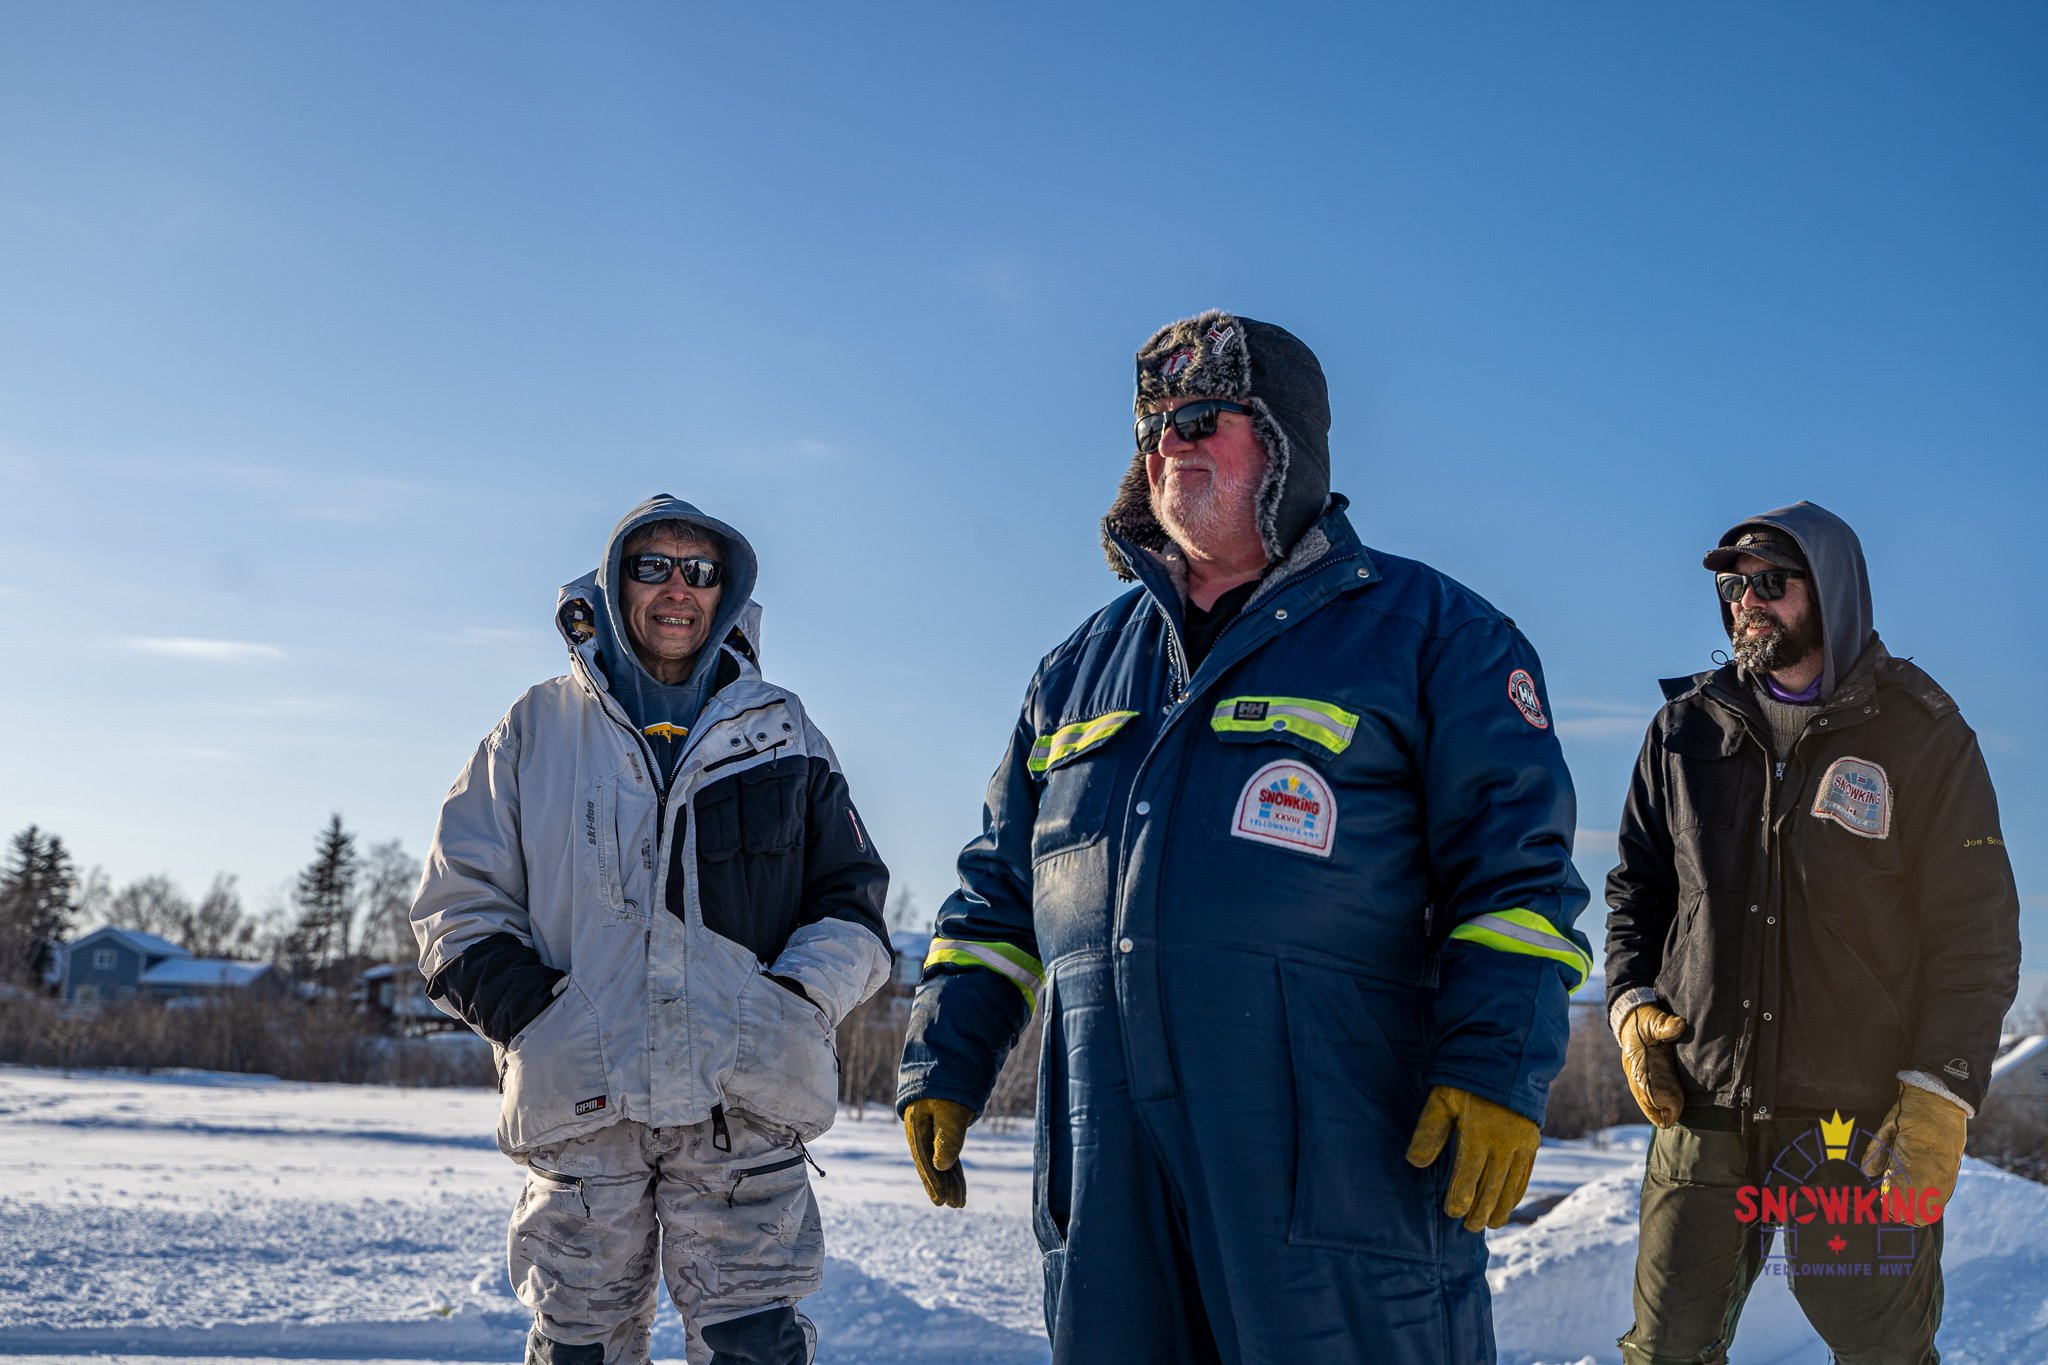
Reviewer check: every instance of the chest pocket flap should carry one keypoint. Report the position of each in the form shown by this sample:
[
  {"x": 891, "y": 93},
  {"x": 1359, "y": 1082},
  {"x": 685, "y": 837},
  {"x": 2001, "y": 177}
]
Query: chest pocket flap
[
  {"x": 1073, "y": 740},
  {"x": 1317, "y": 726}
]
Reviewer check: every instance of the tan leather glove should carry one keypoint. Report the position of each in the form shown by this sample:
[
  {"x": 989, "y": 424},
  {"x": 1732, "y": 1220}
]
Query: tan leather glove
[
  {"x": 1647, "y": 1034},
  {"x": 936, "y": 1128},
  {"x": 1920, "y": 1147},
  {"x": 1496, "y": 1148}
]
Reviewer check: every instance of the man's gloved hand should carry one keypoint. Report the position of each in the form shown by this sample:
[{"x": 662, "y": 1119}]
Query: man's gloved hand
[
  {"x": 1646, "y": 1038},
  {"x": 1919, "y": 1146},
  {"x": 936, "y": 1128},
  {"x": 1496, "y": 1148}
]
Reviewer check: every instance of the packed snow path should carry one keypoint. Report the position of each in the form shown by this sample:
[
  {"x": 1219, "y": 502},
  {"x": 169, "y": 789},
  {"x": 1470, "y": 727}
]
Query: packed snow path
[{"x": 203, "y": 1217}]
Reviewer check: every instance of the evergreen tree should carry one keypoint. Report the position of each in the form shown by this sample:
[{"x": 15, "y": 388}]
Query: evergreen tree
[
  {"x": 325, "y": 897},
  {"x": 38, "y": 898}
]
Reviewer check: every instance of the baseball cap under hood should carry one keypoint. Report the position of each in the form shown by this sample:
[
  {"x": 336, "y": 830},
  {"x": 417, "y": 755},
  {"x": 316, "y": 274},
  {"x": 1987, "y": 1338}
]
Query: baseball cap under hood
[{"x": 1841, "y": 582}]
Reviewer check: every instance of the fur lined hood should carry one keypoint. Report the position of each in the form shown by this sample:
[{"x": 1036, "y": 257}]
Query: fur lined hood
[{"x": 1220, "y": 355}]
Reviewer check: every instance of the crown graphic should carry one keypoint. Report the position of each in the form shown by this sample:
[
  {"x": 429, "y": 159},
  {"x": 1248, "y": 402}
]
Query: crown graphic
[{"x": 1835, "y": 1134}]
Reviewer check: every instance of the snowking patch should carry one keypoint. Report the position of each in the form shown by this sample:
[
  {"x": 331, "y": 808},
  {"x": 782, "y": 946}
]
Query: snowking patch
[
  {"x": 1288, "y": 804},
  {"x": 1855, "y": 794},
  {"x": 1522, "y": 692}
]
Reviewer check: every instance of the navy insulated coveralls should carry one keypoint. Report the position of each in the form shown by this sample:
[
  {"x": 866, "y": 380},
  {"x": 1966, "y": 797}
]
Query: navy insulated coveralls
[{"x": 1265, "y": 909}]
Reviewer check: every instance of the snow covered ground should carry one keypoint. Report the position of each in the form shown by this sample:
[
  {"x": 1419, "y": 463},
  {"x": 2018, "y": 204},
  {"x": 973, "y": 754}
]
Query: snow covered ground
[{"x": 206, "y": 1217}]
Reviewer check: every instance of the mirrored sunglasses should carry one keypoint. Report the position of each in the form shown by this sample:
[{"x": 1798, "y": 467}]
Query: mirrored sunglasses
[{"x": 697, "y": 571}]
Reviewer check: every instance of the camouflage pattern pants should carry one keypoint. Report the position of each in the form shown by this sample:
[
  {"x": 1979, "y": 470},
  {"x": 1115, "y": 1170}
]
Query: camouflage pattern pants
[{"x": 733, "y": 1232}]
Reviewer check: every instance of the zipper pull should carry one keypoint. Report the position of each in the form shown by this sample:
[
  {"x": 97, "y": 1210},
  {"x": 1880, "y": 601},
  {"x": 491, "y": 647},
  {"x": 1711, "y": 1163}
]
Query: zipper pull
[
  {"x": 1781, "y": 770},
  {"x": 721, "y": 1136}
]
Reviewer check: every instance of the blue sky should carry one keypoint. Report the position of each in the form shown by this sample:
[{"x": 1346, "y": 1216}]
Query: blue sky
[{"x": 334, "y": 338}]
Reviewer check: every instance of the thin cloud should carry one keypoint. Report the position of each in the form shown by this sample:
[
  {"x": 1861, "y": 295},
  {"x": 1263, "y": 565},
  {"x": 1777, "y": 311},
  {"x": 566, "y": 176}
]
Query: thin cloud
[
  {"x": 1582, "y": 719},
  {"x": 208, "y": 651}
]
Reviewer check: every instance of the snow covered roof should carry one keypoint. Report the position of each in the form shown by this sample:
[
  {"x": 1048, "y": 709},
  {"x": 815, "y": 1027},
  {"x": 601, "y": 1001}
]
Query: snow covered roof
[
  {"x": 203, "y": 971},
  {"x": 148, "y": 945}
]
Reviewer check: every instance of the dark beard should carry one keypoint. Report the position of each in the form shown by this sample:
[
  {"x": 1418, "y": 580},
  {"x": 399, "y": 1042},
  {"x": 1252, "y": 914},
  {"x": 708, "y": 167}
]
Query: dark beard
[{"x": 1778, "y": 649}]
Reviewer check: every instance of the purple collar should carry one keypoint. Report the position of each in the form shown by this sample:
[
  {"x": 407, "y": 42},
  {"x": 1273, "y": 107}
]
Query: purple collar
[{"x": 1804, "y": 698}]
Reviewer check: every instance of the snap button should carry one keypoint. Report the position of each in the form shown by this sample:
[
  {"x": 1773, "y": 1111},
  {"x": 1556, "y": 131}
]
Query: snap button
[
  {"x": 1752, "y": 909},
  {"x": 762, "y": 735},
  {"x": 1745, "y": 1004},
  {"x": 1365, "y": 573},
  {"x": 1280, "y": 615},
  {"x": 1767, "y": 1016},
  {"x": 1770, "y": 919},
  {"x": 1144, "y": 808},
  {"x": 1823, "y": 720},
  {"x": 1123, "y": 945},
  {"x": 787, "y": 726},
  {"x": 1764, "y": 1112},
  {"x": 736, "y": 741}
]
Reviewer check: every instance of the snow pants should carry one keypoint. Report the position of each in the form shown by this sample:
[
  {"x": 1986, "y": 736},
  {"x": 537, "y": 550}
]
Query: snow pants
[
  {"x": 723, "y": 1212},
  {"x": 1257, "y": 1208},
  {"x": 1871, "y": 1290}
]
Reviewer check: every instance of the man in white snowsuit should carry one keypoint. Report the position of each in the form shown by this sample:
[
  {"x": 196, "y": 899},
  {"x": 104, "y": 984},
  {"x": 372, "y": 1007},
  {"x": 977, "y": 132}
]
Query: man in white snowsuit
[{"x": 650, "y": 891}]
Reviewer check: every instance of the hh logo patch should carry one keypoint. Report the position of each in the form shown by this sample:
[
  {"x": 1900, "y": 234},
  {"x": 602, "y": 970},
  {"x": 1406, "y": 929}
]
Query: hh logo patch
[
  {"x": 1522, "y": 692},
  {"x": 590, "y": 1106},
  {"x": 1288, "y": 804},
  {"x": 1249, "y": 710},
  {"x": 1855, "y": 794}
]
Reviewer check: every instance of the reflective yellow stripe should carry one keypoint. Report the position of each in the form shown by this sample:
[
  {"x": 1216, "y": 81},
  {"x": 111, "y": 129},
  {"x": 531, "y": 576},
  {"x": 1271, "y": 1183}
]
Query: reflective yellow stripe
[
  {"x": 1071, "y": 740},
  {"x": 1023, "y": 970},
  {"x": 1526, "y": 932},
  {"x": 1328, "y": 725}
]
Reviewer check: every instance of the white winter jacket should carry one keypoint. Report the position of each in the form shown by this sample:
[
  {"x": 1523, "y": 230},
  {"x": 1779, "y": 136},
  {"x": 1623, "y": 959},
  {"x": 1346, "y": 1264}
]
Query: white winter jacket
[{"x": 620, "y": 938}]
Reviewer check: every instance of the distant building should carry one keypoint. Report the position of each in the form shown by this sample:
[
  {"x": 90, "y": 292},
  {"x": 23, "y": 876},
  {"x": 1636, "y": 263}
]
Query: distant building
[
  {"x": 395, "y": 994},
  {"x": 109, "y": 964},
  {"x": 195, "y": 978},
  {"x": 122, "y": 964}
]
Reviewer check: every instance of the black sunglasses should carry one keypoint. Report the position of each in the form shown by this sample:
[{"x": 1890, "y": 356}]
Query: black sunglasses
[
  {"x": 1769, "y": 584},
  {"x": 1191, "y": 422},
  {"x": 696, "y": 571}
]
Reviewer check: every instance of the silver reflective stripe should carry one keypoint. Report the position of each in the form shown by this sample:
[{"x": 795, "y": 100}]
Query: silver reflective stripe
[{"x": 1025, "y": 979}]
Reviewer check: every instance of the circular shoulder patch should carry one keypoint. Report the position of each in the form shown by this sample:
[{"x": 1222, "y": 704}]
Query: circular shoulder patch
[{"x": 1522, "y": 692}]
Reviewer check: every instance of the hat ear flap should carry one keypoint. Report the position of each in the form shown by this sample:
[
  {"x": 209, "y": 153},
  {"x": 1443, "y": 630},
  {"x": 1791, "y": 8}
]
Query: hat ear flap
[{"x": 1130, "y": 516}]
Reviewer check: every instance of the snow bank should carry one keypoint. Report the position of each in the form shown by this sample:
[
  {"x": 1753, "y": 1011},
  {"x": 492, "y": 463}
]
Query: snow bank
[{"x": 1561, "y": 1287}]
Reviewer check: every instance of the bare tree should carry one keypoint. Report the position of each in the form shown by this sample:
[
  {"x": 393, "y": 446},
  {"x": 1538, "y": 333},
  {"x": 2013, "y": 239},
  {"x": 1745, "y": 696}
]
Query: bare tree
[
  {"x": 904, "y": 912},
  {"x": 390, "y": 876},
  {"x": 151, "y": 905},
  {"x": 218, "y": 927}
]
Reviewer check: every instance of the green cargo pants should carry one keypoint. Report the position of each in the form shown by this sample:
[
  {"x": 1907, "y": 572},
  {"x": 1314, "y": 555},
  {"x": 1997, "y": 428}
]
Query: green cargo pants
[{"x": 1721, "y": 1207}]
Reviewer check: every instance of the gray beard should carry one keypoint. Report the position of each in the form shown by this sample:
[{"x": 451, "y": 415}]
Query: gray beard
[
  {"x": 1773, "y": 652},
  {"x": 1213, "y": 516}
]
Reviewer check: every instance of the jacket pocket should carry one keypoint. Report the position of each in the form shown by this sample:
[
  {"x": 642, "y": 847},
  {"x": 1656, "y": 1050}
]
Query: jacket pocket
[
  {"x": 602, "y": 844},
  {"x": 1357, "y": 1052},
  {"x": 1077, "y": 763},
  {"x": 554, "y": 1075},
  {"x": 784, "y": 1067}
]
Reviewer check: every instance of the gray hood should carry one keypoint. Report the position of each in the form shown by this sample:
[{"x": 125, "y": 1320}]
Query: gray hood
[
  {"x": 590, "y": 619},
  {"x": 1841, "y": 583}
]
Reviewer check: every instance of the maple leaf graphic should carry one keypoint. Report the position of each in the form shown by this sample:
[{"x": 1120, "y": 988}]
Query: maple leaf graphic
[{"x": 1835, "y": 1244}]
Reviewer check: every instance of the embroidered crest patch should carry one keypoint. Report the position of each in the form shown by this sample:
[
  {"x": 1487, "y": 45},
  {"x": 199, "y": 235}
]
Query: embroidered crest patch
[
  {"x": 1522, "y": 692},
  {"x": 1219, "y": 338},
  {"x": 1288, "y": 804},
  {"x": 1177, "y": 362},
  {"x": 1855, "y": 794}
]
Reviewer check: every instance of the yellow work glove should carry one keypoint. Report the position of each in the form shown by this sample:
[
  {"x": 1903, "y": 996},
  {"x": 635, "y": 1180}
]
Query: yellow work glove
[
  {"x": 1647, "y": 1034},
  {"x": 1496, "y": 1148},
  {"x": 1919, "y": 1147},
  {"x": 936, "y": 1128}
]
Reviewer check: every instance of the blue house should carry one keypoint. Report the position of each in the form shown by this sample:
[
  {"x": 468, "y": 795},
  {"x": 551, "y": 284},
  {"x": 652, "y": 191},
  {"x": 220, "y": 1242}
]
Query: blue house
[{"x": 108, "y": 964}]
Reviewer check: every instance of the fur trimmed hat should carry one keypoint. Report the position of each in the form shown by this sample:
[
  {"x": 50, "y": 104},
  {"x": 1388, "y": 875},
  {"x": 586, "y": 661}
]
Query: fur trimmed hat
[{"x": 1220, "y": 355}]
